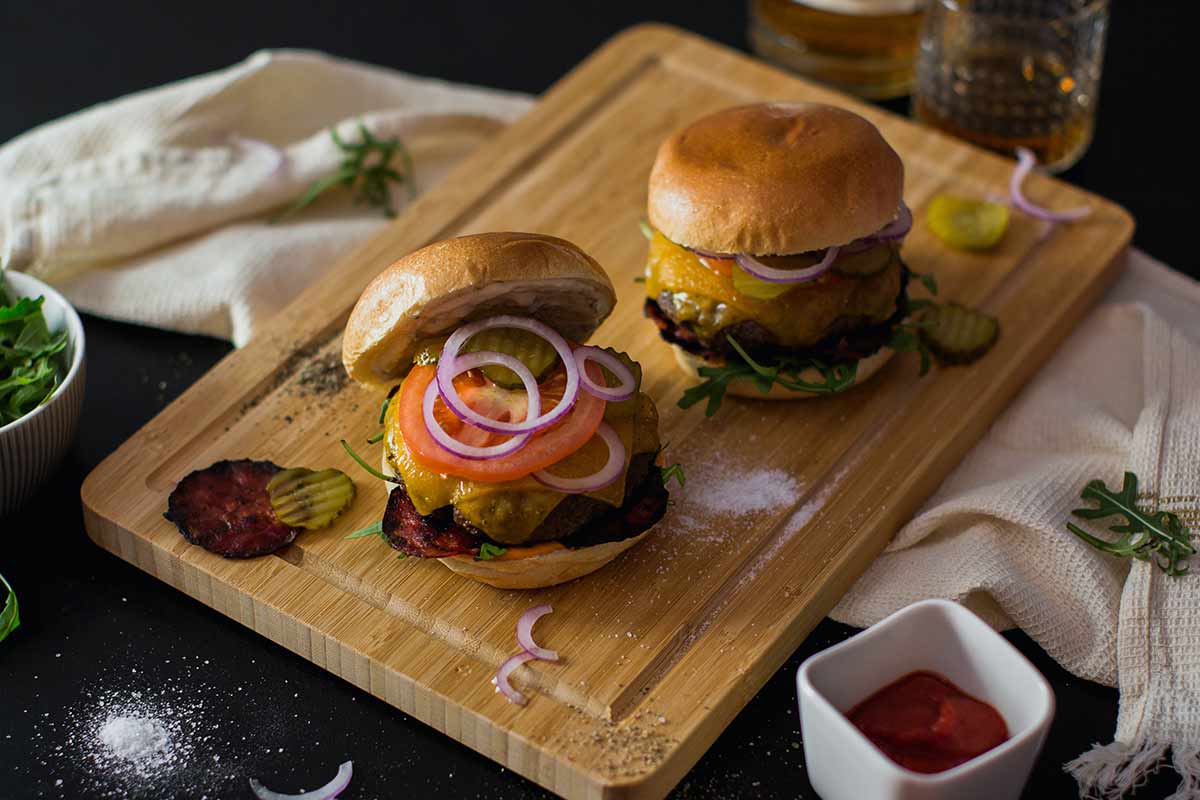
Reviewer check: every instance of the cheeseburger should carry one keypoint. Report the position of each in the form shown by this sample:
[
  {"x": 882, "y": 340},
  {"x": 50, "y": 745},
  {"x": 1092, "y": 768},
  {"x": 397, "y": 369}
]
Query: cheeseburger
[
  {"x": 519, "y": 456},
  {"x": 774, "y": 266}
]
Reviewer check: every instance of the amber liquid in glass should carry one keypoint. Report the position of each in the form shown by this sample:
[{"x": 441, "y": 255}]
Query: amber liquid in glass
[
  {"x": 1003, "y": 99},
  {"x": 872, "y": 56}
]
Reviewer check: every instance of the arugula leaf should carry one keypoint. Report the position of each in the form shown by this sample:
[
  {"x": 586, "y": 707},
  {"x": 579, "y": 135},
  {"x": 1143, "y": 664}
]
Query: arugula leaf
[
  {"x": 350, "y": 451},
  {"x": 488, "y": 551},
  {"x": 10, "y": 617},
  {"x": 366, "y": 167},
  {"x": 30, "y": 364},
  {"x": 786, "y": 373},
  {"x": 674, "y": 471},
  {"x": 1159, "y": 537},
  {"x": 375, "y": 529}
]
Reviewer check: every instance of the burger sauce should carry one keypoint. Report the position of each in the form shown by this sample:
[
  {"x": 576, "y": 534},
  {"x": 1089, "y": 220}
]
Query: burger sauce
[{"x": 927, "y": 724}]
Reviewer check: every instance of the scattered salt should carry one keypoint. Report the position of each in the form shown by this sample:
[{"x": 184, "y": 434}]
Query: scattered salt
[{"x": 145, "y": 743}]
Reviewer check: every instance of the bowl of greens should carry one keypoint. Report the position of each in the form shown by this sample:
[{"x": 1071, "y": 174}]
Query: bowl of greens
[{"x": 41, "y": 384}]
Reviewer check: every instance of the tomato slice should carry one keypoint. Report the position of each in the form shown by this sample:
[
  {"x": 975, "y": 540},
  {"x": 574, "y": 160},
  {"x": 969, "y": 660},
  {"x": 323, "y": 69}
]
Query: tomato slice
[{"x": 545, "y": 448}]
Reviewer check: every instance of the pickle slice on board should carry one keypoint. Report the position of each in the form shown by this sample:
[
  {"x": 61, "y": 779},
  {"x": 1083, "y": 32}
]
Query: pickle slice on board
[
  {"x": 526, "y": 346},
  {"x": 965, "y": 223},
  {"x": 956, "y": 334},
  {"x": 303, "y": 498},
  {"x": 871, "y": 261}
]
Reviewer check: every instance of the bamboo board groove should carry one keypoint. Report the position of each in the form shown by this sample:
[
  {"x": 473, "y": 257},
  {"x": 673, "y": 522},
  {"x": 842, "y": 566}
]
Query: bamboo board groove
[{"x": 663, "y": 647}]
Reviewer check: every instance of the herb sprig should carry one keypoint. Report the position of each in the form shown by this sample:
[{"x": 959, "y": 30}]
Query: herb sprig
[
  {"x": 10, "y": 616},
  {"x": 786, "y": 373},
  {"x": 1159, "y": 536},
  {"x": 366, "y": 167},
  {"x": 30, "y": 365}
]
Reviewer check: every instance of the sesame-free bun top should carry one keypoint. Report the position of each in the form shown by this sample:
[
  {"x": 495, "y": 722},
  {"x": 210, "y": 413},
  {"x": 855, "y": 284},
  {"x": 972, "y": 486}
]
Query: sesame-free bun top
[
  {"x": 774, "y": 179},
  {"x": 433, "y": 290}
]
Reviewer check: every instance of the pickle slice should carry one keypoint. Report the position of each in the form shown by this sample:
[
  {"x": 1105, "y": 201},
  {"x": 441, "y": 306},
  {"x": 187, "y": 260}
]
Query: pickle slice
[
  {"x": 956, "y": 334},
  {"x": 747, "y": 284},
  {"x": 866, "y": 263},
  {"x": 303, "y": 498},
  {"x": 526, "y": 346},
  {"x": 967, "y": 224},
  {"x": 429, "y": 350}
]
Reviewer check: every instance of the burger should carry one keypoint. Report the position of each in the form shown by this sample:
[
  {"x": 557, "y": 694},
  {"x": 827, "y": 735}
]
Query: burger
[
  {"x": 774, "y": 267},
  {"x": 518, "y": 456}
]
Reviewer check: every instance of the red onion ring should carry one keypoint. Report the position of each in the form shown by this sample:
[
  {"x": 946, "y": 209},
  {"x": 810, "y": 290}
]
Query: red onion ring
[
  {"x": 898, "y": 228},
  {"x": 611, "y": 470},
  {"x": 613, "y": 394},
  {"x": 327, "y": 792},
  {"x": 525, "y": 633},
  {"x": 448, "y": 368},
  {"x": 453, "y": 445},
  {"x": 1025, "y": 164},
  {"x": 773, "y": 275},
  {"x": 506, "y": 669}
]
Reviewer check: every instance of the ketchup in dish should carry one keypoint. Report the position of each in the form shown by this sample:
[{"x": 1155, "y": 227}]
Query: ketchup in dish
[{"x": 927, "y": 724}]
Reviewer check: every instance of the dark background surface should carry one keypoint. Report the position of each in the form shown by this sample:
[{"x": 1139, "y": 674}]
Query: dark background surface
[{"x": 94, "y": 624}]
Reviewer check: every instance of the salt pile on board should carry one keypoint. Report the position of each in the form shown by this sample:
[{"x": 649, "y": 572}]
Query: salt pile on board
[{"x": 718, "y": 488}]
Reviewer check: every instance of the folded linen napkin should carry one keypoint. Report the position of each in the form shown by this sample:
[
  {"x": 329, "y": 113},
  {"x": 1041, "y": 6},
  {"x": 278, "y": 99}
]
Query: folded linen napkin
[
  {"x": 1123, "y": 393},
  {"x": 156, "y": 208}
]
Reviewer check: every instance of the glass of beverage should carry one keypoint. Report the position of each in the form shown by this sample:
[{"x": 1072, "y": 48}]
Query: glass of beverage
[
  {"x": 865, "y": 47},
  {"x": 1005, "y": 74}
]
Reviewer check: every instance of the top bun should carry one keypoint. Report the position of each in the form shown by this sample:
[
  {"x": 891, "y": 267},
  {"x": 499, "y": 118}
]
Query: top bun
[
  {"x": 433, "y": 290},
  {"x": 774, "y": 179}
]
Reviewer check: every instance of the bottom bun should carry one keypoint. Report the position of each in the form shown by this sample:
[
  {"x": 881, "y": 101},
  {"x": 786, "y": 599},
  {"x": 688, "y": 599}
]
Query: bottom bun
[
  {"x": 543, "y": 569},
  {"x": 744, "y": 387},
  {"x": 536, "y": 571}
]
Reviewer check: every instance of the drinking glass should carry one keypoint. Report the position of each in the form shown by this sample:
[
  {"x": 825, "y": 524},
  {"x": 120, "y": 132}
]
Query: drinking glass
[
  {"x": 866, "y": 47},
  {"x": 1013, "y": 73}
]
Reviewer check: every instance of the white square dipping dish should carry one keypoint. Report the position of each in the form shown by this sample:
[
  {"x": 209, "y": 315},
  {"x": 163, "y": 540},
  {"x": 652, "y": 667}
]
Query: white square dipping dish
[{"x": 937, "y": 636}]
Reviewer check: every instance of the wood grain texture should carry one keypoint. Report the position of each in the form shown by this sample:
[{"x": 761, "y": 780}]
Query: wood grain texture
[{"x": 665, "y": 645}]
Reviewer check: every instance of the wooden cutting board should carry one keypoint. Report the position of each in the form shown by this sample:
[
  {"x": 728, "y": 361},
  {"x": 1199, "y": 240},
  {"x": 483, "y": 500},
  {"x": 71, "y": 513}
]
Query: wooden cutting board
[{"x": 785, "y": 505}]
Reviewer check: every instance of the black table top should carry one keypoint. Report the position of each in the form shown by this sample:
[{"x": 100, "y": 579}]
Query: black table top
[{"x": 93, "y": 624}]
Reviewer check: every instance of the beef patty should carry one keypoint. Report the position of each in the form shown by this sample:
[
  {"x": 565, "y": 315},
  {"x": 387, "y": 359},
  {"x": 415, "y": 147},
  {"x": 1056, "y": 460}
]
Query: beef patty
[
  {"x": 848, "y": 339},
  {"x": 579, "y": 521}
]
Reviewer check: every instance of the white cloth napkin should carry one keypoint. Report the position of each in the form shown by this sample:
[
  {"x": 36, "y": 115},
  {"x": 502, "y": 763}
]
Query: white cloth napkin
[
  {"x": 156, "y": 208},
  {"x": 1123, "y": 393}
]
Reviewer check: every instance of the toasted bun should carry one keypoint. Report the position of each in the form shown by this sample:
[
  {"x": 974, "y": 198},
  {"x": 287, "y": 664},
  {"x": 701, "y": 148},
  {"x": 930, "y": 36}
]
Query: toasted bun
[
  {"x": 774, "y": 179},
  {"x": 867, "y": 367},
  {"x": 434, "y": 289},
  {"x": 540, "y": 570},
  {"x": 543, "y": 569}
]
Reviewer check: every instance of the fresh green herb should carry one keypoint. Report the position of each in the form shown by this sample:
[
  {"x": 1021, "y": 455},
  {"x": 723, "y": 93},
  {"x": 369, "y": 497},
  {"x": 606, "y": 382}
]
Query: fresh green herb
[
  {"x": 1147, "y": 536},
  {"x": 927, "y": 280},
  {"x": 488, "y": 551},
  {"x": 834, "y": 378},
  {"x": 367, "y": 168},
  {"x": 647, "y": 231},
  {"x": 640, "y": 279},
  {"x": 30, "y": 361},
  {"x": 383, "y": 409},
  {"x": 674, "y": 471},
  {"x": 350, "y": 451},
  {"x": 371, "y": 530},
  {"x": 10, "y": 618},
  {"x": 376, "y": 439}
]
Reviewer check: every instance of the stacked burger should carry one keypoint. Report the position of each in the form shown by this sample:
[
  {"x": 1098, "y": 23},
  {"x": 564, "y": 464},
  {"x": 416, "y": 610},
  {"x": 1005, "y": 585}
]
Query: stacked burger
[
  {"x": 774, "y": 267},
  {"x": 520, "y": 457}
]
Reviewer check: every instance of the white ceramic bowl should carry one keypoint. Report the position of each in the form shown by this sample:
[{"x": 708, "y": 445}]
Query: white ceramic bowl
[
  {"x": 932, "y": 635},
  {"x": 32, "y": 446}
]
